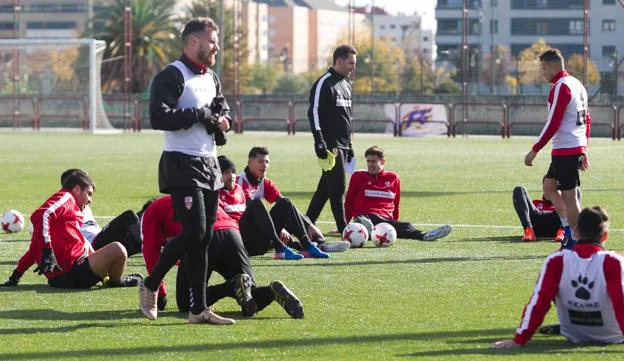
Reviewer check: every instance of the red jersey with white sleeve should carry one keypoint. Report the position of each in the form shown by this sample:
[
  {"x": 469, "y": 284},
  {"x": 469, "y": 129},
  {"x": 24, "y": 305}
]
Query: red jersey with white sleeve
[
  {"x": 158, "y": 226},
  {"x": 262, "y": 189},
  {"x": 568, "y": 122},
  {"x": 233, "y": 201},
  {"x": 56, "y": 224},
  {"x": 373, "y": 194},
  {"x": 586, "y": 283}
]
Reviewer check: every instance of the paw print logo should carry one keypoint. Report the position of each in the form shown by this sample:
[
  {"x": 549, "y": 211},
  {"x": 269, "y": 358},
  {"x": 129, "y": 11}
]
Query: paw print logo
[{"x": 584, "y": 285}]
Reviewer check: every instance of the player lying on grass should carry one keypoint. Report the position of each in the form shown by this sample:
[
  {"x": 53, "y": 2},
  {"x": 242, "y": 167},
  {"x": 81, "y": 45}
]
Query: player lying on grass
[
  {"x": 256, "y": 186},
  {"x": 586, "y": 285},
  {"x": 61, "y": 251},
  {"x": 538, "y": 216},
  {"x": 375, "y": 194},
  {"x": 227, "y": 257}
]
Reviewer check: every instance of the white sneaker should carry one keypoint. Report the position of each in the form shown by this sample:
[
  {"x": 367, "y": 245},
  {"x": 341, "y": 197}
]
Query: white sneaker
[
  {"x": 147, "y": 301},
  {"x": 338, "y": 246},
  {"x": 439, "y": 232},
  {"x": 207, "y": 316}
]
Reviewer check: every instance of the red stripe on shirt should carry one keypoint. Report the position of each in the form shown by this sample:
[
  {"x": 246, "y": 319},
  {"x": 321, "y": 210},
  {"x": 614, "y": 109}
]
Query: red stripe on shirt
[
  {"x": 559, "y": 98},
  {"x": 544, "y": 292},
  {"x": 612, "y": 268}
]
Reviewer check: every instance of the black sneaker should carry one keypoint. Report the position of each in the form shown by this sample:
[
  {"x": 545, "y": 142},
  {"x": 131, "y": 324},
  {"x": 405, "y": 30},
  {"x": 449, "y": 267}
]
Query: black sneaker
[
  {"x": 131, "y": 280},
  {"x": 550, "y": 330},
  {"x": 242, "y": 292},
  {"x": 289, "y": 302}
]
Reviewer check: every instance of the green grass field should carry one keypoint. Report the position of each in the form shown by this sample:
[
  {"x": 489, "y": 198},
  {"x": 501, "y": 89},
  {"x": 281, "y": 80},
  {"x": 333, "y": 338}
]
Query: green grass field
[{"x": 440, "y": 300}]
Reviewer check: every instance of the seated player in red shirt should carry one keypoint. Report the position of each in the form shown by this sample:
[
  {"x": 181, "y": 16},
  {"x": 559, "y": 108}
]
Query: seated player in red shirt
[
  {"x": 256, "y": 226},
  {"x": 61, "y": 251},
  {"x": 257, "y": 187},
  {"x": 227, "y": 256},
  {"x": 538, "y": 217},
  {"x": 586, "y": 285},
  {"x": 375, "y": 193}
]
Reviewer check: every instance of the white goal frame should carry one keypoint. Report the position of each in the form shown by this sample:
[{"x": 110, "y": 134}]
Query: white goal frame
[{"x": 94, "y": 77}]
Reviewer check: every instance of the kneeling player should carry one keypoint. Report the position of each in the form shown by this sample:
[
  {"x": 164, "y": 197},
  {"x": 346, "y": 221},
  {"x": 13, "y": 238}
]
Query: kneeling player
[
  {"x": 227, "y": 257},
  {"x": 62, "y": 253},
  {"x": 586, "y": 285},
  {"x": 375, "y": 193}
]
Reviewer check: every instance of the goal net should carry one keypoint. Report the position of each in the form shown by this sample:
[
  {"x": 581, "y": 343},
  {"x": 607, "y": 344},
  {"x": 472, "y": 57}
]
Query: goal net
[{"x": 52, "y": 83}]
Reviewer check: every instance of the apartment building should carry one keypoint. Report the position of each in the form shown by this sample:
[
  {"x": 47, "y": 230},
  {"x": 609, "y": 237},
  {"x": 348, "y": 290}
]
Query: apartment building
[{"x": 519, "y": 23}]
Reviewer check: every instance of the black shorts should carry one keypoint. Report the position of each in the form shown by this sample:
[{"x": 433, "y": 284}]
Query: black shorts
[
  {"x": 182, "y": 171},
  {"x": 79, "y": 276},
  {"x": 564, "y": 169}
]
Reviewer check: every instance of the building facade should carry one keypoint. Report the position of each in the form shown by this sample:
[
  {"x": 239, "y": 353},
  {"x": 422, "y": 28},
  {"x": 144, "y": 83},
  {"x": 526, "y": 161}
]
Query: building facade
[{"x": 519, "y": 23}]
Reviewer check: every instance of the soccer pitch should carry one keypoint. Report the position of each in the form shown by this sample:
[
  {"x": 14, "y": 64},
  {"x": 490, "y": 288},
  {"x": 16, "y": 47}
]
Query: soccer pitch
[{"x": 426, "y": 300}]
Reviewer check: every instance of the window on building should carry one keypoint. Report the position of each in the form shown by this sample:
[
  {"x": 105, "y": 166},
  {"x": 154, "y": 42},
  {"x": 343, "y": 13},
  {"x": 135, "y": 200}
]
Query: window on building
[
  {"x": 541, "y": 27},
  {"x": 425, "y": 51},
  {"x": 6, "y": 25},
  {"x": 448, "y": 27},
  {"x": 608, "y": 51},
  {"x": 51, "y": 25},
  {"x": 382, "y": 27},
  {"x": 493, "y": 26},
  {"x": 608, "y": 25},
  {"x": 608, "y": 2},
  {"x": 425, "y": 39},
  {"x": 392, "y": 26},
  {"x": 494, "y": 3},
  {"x": 543, "y": 4},
  {"x": 576, "y": 26}
]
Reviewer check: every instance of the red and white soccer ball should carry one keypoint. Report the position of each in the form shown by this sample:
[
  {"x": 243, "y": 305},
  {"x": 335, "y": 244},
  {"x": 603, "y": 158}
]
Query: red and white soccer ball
[
  {"x": 12, "y": 221},
  {"x": 384, "y": 235},
  {"x": 356, "y": 234}
]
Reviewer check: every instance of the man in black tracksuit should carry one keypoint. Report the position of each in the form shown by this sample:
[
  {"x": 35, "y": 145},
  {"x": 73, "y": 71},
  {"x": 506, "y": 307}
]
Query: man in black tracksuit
[
  {"x": 330, "y": 122},
  {"x": 187, "y": 103}
]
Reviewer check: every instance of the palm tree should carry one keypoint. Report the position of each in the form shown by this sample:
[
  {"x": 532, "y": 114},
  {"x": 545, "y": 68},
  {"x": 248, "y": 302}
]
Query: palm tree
[{"x": 155, "y": 41}]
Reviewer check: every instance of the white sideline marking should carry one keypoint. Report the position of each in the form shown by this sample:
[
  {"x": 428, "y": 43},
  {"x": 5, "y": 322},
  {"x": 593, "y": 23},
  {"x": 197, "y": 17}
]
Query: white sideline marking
[{"x": 435, "y": 225}]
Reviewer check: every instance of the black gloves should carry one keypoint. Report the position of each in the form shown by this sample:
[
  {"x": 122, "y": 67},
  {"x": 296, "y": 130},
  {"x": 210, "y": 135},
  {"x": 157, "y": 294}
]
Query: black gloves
[
  {"x": 13, "y": 279},
  {"x": 350, "y": 154},
  {"x": 48, "y": 262},
  {"x": 321, "y": 149}
]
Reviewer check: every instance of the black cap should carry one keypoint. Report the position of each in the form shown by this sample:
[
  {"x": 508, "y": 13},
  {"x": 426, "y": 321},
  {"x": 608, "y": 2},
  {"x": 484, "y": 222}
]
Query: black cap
[{"x": 225, "y": 163}]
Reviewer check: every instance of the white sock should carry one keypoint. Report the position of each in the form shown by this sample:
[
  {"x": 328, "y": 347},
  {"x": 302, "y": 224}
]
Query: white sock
[{"x": 564, "y": 221}]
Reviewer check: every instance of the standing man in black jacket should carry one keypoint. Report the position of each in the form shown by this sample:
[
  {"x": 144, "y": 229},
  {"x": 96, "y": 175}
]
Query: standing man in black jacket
[
  {"x": 330, "y": 121},
  {"x": 187, "y": 103}
]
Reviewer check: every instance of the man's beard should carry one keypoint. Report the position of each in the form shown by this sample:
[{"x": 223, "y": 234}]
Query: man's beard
[{"x": 207, "y": 58}]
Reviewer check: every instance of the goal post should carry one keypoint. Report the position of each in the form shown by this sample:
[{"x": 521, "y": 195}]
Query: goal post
[{"x": 52, "y": 73}]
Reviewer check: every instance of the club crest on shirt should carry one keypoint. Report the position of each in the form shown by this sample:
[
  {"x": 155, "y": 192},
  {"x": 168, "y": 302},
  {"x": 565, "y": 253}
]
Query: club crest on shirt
[
  {"x": 387, "y": 184},
  {"x": 188, "y": 202}
]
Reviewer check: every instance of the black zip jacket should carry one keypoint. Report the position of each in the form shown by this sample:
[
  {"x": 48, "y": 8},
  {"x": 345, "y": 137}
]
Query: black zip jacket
[{"x": 330, "y": 110}]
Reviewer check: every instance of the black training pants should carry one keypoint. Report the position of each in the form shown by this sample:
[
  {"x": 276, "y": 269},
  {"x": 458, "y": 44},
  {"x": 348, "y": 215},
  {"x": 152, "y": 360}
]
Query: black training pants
[{"x": 332, "y": 186}]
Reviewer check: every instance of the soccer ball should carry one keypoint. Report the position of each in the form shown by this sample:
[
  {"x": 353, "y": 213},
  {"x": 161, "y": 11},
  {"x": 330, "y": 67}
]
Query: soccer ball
[
  {"x": 363, "y": 220},
  {"x": 356, "y": 234},
  {"x": 383, "y": 235},
  {"x": 12, "y": 221}
]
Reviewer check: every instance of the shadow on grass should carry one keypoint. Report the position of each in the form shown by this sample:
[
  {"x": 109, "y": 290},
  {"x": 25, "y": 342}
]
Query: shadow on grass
[
  {"x": 504, "y": 239},
  {"x": 554, "y": 346},
  {"x": 538, "y": 346},
  {"x": 15, "y": 240},
  {"x": 44, "y": 288},
  {"x": 404, "y": 261}
]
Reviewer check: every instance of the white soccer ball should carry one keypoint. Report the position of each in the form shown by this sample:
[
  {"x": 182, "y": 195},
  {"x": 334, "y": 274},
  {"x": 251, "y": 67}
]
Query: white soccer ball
[
  {"x": 12, "y": 221},
  {"x": 384, "y": 235},
  {"x": 356, "y": 234}
]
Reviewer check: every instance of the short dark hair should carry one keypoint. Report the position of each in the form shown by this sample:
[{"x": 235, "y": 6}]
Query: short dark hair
[
  {"x": 226, "y": 163},
  {"x": 68, "y": 172},
  {"x": 343, "y": 51},
  {"x": 255, "y": 151},
  {"x": 376, "y": 151},
  {"x": 552, "y": 56},
  {"x": 592, "y": 223},
  {"x": 80, "y": 178},
  {"x": 198, "y": 24}
]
